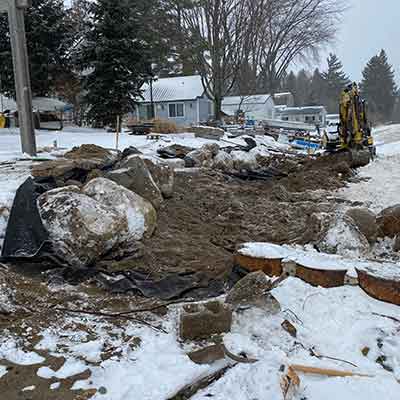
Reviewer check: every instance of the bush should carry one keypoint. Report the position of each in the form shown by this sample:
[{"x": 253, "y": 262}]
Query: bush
[{"x": 164, "y": 126}]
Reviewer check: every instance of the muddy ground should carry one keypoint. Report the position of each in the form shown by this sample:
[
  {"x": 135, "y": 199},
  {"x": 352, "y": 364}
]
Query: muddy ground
[
  {"x": 211, "y": 213},
  {"x": 198, "y": 230}
]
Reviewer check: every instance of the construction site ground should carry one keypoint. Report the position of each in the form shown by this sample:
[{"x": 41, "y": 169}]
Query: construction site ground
[{"x": 49, "y": 352}]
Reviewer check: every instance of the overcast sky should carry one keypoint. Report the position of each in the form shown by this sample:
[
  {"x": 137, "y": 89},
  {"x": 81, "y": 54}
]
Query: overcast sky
[{"x": 367, "y": 27}]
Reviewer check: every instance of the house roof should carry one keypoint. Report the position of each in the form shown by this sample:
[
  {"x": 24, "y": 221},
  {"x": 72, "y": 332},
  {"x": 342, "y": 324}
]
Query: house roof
[
  {"x": 255, "y": 99},
  {"x": 38, "y": 103},
  {"x": 283, "y": 94},
  {"x": 173, "y": 89},
  {"x": 301, "y": 110}
]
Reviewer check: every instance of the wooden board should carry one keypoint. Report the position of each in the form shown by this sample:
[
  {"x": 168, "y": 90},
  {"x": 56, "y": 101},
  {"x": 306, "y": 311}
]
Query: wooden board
[
  {"x": 383, "y": 289},
  {"x": 271, "y": 267}
]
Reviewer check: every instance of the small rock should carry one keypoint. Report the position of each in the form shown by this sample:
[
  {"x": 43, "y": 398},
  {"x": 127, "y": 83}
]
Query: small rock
[
  {"x": 208, "y": 355},
  {"x": 163, "y": 176},
  {"x": 389, "y": 221},
  {"x": 365, "y": 220},
  {"x": 135, "y": 176},
  {"x": 203, "y": 320},
  {"x": 102, "y": 390},
  {"x": 253, "y": 291},
  {"x": 289, "y": 328},
  {"x": 365, "y": 351}
]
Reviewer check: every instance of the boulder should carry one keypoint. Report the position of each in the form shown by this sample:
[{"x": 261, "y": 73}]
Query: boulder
[
  {"x": 174, "y": 151},
  {"x": 344, "y": 238},
  {"x": 129, "y": 151},
  {"x": 135, "y": 176},
  {"x": 207, "y": 132},
  {"x": 365, "y": 220},
  {"x": 54, "y": 168},
  {"x": 80, "y": 228},
  {"x": 163, "y": 176},
  {"x": 203, "y": 320},
  {"x": 244, "y": 160},
  {"x": 77, "y": 163},
  {"x": 103, "y": 157},
  {"x": 140, "y": 215},
  {"x": 389, "y": 221},
  {"x": 199, "y": 157},
  {"x": 95, "y": 173},
  {"x": 223, "y": 161},
  {"x": 253, "y": 291}
]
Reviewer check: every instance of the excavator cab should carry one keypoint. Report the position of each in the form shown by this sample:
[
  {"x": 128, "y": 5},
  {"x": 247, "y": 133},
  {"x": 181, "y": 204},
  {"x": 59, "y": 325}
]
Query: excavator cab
[{"x": 354, "y": 128}]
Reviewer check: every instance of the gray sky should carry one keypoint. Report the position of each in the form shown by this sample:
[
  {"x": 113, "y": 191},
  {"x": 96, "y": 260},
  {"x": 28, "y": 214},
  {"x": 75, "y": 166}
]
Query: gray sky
[{"x": 367, "y": 27}]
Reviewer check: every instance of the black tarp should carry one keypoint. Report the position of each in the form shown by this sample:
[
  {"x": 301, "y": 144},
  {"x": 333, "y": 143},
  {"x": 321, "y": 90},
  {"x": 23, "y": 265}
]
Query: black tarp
[{"x": 26, "y": 239}]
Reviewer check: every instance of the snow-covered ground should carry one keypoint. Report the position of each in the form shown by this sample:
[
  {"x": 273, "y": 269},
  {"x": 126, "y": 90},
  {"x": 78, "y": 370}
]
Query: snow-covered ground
[
  {"x": 339, "y": 323},
  {"x": 380, "y": 187}
]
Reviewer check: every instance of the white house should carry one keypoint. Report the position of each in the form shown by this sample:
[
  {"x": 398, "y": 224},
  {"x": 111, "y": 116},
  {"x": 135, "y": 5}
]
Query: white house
[
  {"x": 315, "y": 115},
  {"x": 256, "y": 107},
  {"x": 180, "y": 99}
]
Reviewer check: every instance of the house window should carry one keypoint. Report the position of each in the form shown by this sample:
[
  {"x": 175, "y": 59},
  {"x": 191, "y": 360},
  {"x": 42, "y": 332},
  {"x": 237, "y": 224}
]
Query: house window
[{"x": 176, "y": 110}]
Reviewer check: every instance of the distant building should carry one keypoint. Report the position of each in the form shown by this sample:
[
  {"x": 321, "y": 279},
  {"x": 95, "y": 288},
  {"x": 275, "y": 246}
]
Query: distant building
[
  {"x": 180, "y": 99},
  {"x": 313, "y": 115},
  {"x": 284, "y": 99},
  {"x": 257, "y": 107}
]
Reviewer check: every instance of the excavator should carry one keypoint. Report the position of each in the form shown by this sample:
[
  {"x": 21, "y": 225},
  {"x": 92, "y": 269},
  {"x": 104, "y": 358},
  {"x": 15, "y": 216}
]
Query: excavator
[{"x": 353, "y": 133}]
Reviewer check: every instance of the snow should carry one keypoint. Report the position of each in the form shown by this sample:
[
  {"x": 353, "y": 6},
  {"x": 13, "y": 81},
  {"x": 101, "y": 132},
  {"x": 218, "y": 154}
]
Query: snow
[
  {"x": 337, "y": 322},
  {"x": 29, "y": 388},
  {"x": 3, "y": 371},
  {"x": 55, "y": 385},
  {"x": 380, "y": 185},
  {"x": 71, "y": 367},
  {"x": 264, "y": 250},
  {"x": 10, "y": 351}
]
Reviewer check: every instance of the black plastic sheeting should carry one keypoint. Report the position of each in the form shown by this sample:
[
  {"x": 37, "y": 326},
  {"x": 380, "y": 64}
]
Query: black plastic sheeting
[
  {"x": 172, "y": 286},
  {"x": 26, "y": 239}
]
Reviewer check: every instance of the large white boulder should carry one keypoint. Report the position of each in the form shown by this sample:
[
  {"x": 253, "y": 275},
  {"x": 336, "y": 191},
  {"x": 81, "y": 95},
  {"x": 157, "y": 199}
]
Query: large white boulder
[
  {"x": 345, "y": 239},
  {"x": 140, "y": 215},
  {"x": 80, "y": 228}
]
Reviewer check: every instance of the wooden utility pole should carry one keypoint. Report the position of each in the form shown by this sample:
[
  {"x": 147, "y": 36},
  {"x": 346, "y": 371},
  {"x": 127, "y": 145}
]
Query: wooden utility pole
[{"x": 16, "y": 13}]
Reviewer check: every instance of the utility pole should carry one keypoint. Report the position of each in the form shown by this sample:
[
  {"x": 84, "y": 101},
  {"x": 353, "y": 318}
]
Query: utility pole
[{"x": 16, "y": 13}]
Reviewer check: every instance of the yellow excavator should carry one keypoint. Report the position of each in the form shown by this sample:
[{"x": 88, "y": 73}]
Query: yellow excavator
[{"x": 354, "y": 129}]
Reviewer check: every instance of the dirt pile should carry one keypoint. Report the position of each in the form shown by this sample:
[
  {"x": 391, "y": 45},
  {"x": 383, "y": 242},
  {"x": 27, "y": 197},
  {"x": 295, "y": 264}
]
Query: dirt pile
[{"x": 210, "y": 213}]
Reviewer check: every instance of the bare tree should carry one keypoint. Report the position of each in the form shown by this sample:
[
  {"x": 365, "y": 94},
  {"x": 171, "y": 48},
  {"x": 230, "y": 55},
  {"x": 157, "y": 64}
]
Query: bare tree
[
  {"x": 294, "y": 30},
  {"x": 219, "y": 31}
]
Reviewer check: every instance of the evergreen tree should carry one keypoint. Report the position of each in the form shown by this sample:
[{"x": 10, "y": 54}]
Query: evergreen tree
[
  {"x": 303, "y": 88},
  {"x": 48, "y": 34},
  {"x": 290, "y": 85},
  {"x": 378, "y": 87},
  {"x": 335, "y": 80},
  {"x": 317, "y": 89},
  {"x": 117, "y": 59}
]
